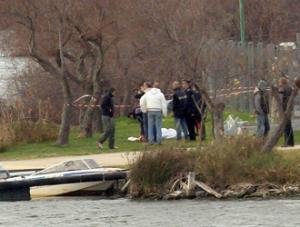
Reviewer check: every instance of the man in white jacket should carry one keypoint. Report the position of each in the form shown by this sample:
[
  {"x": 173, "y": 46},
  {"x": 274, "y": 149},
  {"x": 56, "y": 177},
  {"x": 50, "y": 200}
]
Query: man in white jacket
[{"x": 154, "y": 104}]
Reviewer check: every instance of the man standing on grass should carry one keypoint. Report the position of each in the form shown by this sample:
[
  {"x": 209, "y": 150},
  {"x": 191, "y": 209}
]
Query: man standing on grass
[
  {"x": 261, "y": 106},
  {"x": 191, "y": 110},
  {"x": 179, "y": 109},
  {"x": 285, "y": 91},
  {"x": 107, "y": 109},
  {"x": 154, "y": 104},
  {"x": 147, "y": 86}
]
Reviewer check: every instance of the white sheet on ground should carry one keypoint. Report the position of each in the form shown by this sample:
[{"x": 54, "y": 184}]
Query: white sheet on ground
[{"x": 167, "y": 133}]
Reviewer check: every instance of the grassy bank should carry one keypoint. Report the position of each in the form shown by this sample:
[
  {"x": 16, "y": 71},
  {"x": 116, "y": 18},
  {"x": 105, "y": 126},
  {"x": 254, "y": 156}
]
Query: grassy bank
[
  {"x": 219, "y": 165},
  {"x": 81, "y": 146}
]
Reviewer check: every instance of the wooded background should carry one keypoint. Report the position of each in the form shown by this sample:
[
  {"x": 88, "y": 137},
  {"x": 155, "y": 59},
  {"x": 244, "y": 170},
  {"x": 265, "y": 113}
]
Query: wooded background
[{"x": 77, "y": 47}]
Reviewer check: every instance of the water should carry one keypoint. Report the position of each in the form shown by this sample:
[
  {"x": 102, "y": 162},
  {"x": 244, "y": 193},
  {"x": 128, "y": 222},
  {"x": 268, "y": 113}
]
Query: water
[{"x": 123, "y": 212}]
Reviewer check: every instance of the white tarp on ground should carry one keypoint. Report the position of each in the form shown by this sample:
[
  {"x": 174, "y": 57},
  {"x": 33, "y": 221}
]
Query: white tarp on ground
[{"x": 167, "y": 133}]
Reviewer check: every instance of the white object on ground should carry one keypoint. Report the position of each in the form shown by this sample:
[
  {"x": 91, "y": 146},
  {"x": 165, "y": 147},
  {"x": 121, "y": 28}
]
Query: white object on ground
[
  {"x": 166, "y": 133},
  {"x": 233, "y": 126},
  {"x": 133, "y": 139}
]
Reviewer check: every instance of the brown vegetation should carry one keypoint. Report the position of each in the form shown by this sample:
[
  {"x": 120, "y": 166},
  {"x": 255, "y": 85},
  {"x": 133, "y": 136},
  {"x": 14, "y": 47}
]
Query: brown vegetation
[
  {"x": 14, "y": 128},
  {"x": 219, "y": 164}
]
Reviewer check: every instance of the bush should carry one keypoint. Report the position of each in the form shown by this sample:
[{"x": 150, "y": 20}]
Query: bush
[
  {"x": 239, "y": 160},
  {"x": 7, "y": 135},
  {"x": 153, "y": 171},
  {"x": 219, "y": 164},
  {"x": 33, "y": 132},
  {"x": 25, "y": 132}
]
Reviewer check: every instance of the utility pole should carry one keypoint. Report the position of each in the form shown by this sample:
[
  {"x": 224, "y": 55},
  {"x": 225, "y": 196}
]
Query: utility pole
[{"x": 242, "y": 22}]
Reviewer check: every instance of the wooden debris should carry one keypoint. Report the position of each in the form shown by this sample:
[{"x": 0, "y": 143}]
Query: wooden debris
[
  {"x": 125, "y": 186},
  {"x": 208, "y": 189}
]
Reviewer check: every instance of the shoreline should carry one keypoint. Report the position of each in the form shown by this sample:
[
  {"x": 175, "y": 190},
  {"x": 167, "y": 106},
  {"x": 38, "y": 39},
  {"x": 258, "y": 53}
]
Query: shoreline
[
  {"x": 106, "y": 160},
  {"x": 240, "y": 191}
]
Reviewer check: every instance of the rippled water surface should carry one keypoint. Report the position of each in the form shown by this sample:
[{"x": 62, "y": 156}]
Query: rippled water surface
[{"x": 123, "y": 212}]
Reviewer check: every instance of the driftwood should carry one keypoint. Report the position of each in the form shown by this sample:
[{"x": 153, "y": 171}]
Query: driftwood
[
  {"x": 125, "y": 186},
  {"x": 187, "y": 185},
  {"x": 208, "y": 189}
]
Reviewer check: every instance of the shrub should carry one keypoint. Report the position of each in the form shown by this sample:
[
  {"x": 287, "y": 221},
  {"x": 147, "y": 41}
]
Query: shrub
[
  {"x": 219, "y": 164},
  {"x": 7, "y": 135},
  {"x": 240, "y": 159},
  {"x": 153, "y": 171},
  {"x": 32, "y": 132}
]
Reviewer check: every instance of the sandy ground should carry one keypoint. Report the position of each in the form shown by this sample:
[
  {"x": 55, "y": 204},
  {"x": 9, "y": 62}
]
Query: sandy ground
[
  {"x": 296, "y": 147},
  {"x": 107, "y": 160}
]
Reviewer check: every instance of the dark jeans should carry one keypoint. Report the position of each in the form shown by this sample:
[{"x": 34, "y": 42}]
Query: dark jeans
[
  {"x": 263, "y": 126},
  {"x": 201, "y": 129},
  {"x": 288, "y": 134},
  {"x": 191, "y": 124},
  {"x": 145, "y": 125},
  {"x": 181, "y": 126},
  {"x": 109, "y": 131}
]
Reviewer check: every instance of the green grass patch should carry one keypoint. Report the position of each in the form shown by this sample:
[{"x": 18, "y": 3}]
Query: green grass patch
[{"x": 125, "y": 128}]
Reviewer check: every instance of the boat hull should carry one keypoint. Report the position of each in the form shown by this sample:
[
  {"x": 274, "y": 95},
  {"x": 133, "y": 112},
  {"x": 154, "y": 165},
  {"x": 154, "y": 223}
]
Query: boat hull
[{"x": 81, "y": 188}]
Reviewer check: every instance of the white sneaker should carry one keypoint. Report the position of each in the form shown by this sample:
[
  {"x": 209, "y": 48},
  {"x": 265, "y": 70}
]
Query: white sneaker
[{"x": 100, "y": 145}]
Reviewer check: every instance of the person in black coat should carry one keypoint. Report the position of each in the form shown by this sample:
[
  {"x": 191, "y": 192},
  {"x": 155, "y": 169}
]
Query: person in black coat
[
  {"x": 107, "y": 110},
  {"x": 191, "y": 110},
  {"x": 285, "y": 91},
  {"x": 179, "y": 110}
]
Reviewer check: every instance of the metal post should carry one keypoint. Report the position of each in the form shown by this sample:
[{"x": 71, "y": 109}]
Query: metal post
[{"x": 242, "y": 22}]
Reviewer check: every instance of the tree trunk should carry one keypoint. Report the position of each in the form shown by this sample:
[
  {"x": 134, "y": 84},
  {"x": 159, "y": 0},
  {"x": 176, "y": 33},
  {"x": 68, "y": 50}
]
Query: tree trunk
[
  {"x": 88, "y": 122},
  {"x": 97, "y": 123},
  {"x": 64, "y": 130},
  {"x": 272, "y": 140},
  {"x": 86, "y": 129},
  {"x": 218, "y": 121}
]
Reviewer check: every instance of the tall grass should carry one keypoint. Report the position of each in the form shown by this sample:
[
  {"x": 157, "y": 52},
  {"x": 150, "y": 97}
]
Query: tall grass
[
  {"x": 153, "y": 171},
  {"x": 219, "y": 164},
  {"x": 240, "y": 159},
  {"x": 7, "y": 135},
  {"x": 15, "y": 129}
]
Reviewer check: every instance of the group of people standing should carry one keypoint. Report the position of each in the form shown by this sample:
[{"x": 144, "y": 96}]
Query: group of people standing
[
  {"x": 187, "y": 105},
  {"x": 189, "y": 112},
  {"x": 262, "y": 109}
]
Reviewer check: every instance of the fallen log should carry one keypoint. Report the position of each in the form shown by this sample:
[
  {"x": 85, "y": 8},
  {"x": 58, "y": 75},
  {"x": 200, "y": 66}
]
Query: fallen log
[{"x": 208, "y": 189}]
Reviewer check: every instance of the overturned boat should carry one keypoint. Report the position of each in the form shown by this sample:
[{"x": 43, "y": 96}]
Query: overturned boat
[{"x": 72, "y": 177}]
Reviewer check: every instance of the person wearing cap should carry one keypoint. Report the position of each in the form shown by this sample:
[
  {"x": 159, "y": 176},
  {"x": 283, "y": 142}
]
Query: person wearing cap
[
  {"x": 261, "y": 106},
  {"x": 285, "y": 92}
]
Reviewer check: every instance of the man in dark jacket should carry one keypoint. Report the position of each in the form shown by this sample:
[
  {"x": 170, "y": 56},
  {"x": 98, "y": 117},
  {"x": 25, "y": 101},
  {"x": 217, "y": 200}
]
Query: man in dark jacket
[
  {"x": 261, "y": 106},
  {"x": 179, "y": 109},
  {"x": 191, "y": 110},
  {"x": 285, "y": 91},
  {"x": 107, "y": 109}
]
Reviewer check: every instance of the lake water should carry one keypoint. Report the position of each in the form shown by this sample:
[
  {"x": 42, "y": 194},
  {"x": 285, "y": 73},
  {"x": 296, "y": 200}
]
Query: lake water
[{"x": 123, "y": 212}]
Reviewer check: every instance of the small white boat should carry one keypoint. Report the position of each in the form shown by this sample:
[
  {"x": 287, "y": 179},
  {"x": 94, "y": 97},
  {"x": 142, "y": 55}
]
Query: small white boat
[{"x": 71, "y": 168}]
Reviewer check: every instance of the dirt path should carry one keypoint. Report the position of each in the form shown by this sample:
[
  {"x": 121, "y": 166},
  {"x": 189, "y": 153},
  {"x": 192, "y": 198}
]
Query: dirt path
[{"x": 110, "y": 159}]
